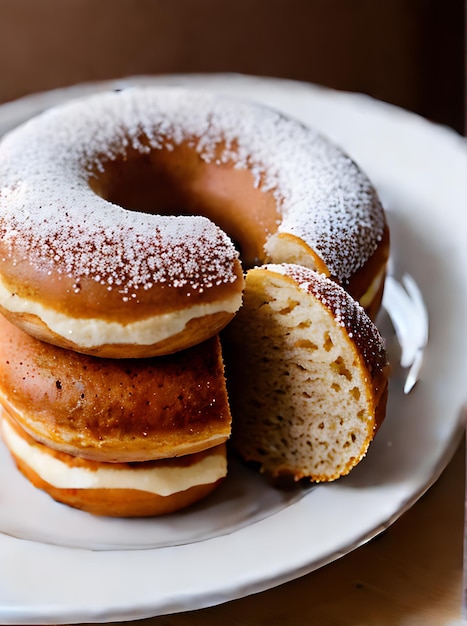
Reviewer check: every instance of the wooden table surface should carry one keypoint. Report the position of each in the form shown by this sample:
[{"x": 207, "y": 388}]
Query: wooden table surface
[{"x": 410, "y": 575}]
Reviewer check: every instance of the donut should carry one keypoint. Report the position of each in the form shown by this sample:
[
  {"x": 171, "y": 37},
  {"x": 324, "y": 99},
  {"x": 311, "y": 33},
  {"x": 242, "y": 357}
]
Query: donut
[
  {"x": 123, "y": 215},
  {"x": 309, "y": 389},
  {"x": 144, "y": 489},
  {"x": 114, "y": 410}
]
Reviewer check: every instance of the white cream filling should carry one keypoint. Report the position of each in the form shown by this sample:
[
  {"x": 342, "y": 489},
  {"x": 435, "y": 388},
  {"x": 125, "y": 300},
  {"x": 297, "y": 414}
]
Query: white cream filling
[
  {"x": 162, "y": 481},
  {"x": 89, "y": 332},
  {"x": 372, "y": 290}
]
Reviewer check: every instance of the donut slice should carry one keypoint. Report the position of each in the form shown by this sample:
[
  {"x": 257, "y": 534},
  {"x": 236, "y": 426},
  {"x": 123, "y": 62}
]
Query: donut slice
[{"x": 309, "y": 389}]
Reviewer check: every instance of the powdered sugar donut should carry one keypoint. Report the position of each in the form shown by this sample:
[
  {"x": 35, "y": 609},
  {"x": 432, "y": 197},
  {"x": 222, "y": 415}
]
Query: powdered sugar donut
[{"x": 114, "y": 209}]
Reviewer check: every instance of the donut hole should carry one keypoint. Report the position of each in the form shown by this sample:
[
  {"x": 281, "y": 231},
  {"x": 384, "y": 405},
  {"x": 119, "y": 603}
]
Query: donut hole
[{"x": 177, "y": 181}]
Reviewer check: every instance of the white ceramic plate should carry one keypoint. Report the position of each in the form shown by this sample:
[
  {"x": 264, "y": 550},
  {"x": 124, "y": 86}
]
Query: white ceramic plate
[{"x": 58, "y": 565}]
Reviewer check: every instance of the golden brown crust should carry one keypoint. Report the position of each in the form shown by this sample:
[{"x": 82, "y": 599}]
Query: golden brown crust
[
  {"x": 115, "y": 410},
  {"x": 121, "y": 502},
  {"x": 92, "y": 300},
  {"x": 117, "y": 502}
]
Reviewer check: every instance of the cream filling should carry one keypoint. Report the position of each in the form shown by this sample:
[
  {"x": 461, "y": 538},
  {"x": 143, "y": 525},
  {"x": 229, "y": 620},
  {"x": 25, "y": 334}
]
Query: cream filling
[
  {"x": 95, "y": 332},
  {"x": 162, "y": 481},
  {"x": 372, "y": 290}
]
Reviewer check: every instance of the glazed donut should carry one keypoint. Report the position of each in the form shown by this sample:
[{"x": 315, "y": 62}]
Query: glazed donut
[
  {"x": 309, "y": 389},
  {"x": 114, "y": 410},
  {"x": 108, "y": 206},
  {"x": 115, "y": 489}
]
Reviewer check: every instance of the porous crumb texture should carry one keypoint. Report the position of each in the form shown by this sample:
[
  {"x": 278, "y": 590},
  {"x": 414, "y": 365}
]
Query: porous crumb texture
[
  {"x": 50, "y": 214},
  {"x": 305, "y": 400}
]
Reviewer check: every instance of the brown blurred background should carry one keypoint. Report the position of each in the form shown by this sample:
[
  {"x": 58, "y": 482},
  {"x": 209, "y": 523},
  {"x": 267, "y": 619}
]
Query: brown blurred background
[{"x": 407, "y": 52}]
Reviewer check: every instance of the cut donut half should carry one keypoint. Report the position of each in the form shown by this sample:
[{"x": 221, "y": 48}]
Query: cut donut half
[{"x": 309, "y": 388}]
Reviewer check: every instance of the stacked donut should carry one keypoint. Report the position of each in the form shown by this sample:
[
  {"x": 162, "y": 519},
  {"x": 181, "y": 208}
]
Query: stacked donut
[
  {"x": 120, "y": 437},
  {"x": 123, "y": 219}
]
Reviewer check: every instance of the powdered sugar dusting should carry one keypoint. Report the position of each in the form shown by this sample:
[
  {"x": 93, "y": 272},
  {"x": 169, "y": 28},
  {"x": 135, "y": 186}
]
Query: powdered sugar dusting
[{"x": 49, "y": 213}]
